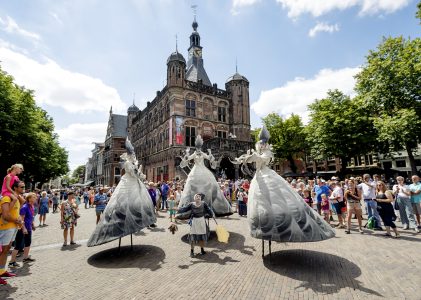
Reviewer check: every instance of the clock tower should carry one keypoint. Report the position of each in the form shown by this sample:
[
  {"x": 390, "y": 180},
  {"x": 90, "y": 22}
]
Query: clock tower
[{"x": 195, "y": 69}]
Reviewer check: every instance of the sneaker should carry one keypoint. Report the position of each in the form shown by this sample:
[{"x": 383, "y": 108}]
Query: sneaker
[
  {"x": 2, "y": 281},
  {"x": 416, "y": 230},
  {"x": 8, "y": 274},
  {"x": 13, "y": 264},
  {"x": 29, "y": 259},
  {"x": 405, "y": 227},
  {"x": 72, "y": 243},
  {"x": 347, "y": 231},
  {"x": 153, "y": 225},
  {"x": 64, "y": 244},
  {"x": 360, "y": 231},
  {"x": 202, "y": 252}
]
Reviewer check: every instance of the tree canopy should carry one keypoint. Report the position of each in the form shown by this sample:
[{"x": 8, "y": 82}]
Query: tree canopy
[
  {"x": 339, "y": 127},
  {"x": 287, "y": 137},
  {"x": 390, "y": 85},
  {"x": 27, "y": 134},
  {"x": 418, "y": 14}
]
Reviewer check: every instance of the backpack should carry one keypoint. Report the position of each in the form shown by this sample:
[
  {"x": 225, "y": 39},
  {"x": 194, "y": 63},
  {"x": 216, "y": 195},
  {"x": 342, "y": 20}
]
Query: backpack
[{"x": 371, "y": 223}]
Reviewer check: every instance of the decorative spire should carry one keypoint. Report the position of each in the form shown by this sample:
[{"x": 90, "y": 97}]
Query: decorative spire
[
  {"x": 134, "y": 97},
  {"x": 111, "y": 110},
  {"x": 176, "y": 43},
  {"x": 236, "y": 65}
]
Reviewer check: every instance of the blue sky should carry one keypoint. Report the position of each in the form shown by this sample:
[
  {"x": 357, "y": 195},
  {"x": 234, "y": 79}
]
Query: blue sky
[{"x": 82, "y": 56}]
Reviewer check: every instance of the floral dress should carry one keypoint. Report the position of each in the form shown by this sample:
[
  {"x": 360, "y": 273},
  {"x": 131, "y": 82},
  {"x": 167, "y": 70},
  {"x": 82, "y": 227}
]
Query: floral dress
[{"x": 69, "y": 218}]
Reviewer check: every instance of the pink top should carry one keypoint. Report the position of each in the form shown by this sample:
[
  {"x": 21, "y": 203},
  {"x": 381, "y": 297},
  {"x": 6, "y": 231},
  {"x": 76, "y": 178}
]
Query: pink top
[{"x": 4, "y": 190}]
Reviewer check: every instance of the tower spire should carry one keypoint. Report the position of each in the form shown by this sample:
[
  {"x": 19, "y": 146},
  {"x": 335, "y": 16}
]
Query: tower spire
[
  {"x": 194, "y": 25},
  {"x": 236, "y": 65},
  {"x": 134, "y": 97},
  {"x": 176, "y": 43}
]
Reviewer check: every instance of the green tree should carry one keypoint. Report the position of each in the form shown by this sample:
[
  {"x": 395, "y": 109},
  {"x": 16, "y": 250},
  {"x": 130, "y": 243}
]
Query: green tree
[
  {"x": 26, "y": 134},
  {"x": 78, "y": 172},
  {"x": 418, "y": 14},
  {"x": 340, "y": 127},
  {"x": 390, "y": 85},
  {"x": 287, "y": 137}
]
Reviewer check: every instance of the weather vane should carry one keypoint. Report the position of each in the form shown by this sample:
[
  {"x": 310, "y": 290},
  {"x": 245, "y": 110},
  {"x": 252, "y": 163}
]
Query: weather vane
[{"x": 194, "y": 7}]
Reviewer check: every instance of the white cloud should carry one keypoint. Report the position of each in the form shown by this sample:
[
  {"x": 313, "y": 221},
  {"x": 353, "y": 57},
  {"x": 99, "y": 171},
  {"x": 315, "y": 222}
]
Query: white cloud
[
  {"x": 323, "y": 27},
  {"x": 296, "y": 95},
  {"x": 56, "y": 17},
  {"x": 237, "y": 4},
  {"x": 58, "y": 87},
  {"x": 10, "y": 26},
  {"x": 320, "y": 7},
  {"x": 77, "y": 138}
]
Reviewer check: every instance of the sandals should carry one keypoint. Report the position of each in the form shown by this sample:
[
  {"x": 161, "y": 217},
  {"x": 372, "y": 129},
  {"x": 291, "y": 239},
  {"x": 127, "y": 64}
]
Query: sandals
[{"x": 29, "y": 259}]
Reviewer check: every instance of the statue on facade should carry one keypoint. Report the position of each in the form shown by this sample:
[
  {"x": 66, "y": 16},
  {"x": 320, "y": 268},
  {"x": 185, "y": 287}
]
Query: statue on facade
[
  {"x": 201, "y": 181},
  {"x": 276, "y": 212},
  {"x": 130, "y": 208}
]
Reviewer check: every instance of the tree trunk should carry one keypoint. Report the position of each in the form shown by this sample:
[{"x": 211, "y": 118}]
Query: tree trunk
[
  {"x": 292, "y": 164},
  {"x": 344, "y": 163},
  {"x": 411, "y": 159}
]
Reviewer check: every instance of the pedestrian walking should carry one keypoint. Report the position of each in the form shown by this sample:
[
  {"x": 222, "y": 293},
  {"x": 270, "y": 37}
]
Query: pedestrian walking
[
  {"x": 69, "y": 216},
  {"x": 43, "y": 208}
]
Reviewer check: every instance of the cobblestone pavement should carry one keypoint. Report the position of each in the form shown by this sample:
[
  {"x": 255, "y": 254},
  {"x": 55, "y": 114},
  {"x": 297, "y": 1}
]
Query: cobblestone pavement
[{"x": 354, "y": 266}]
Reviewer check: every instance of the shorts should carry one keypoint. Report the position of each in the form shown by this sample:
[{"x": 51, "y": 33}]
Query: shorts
[
  {"x": 23, "y": 240},
  {"x": 353, "y": 206},
  {"x": 99, "y": 212},
  {"x": 338, "y": 207},
  {"x": 7, "y": 236},
  {"x": 416, "y": 207}
]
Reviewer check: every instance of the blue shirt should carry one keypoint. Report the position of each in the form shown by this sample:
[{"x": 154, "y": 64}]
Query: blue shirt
[
  {"x": 164, "y": 189},
  {"x": 100, "y": 201},
  {"x": 319, "y": 190},
  {"x": 415, "y": 187},
  {"x": 28, "y": 212}
]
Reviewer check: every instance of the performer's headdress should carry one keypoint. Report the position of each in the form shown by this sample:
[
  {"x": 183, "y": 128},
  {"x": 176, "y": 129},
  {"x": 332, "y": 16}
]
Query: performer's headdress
[
  {"x": 199, "y": 142},
  {"x": 264, "y": 135},
  {"x": 129, "y": 151}
]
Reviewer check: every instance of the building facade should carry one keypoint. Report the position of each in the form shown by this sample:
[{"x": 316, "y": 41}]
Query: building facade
[
  {"x": 114, "y": 147},
  {"x": 187, "y": 106}
]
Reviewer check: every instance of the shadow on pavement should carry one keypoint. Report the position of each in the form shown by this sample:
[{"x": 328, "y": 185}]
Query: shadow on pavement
[
  {"x": 142, "y": 257},
  {"x": 7, "y": 290},
  {"x": 236, "y": 242},
  {"x": 24, "y": 270},
  {"x": 321, "y": 272},
  {"x": 70, "y": 247},
  {"x": 209, "y": 257}
]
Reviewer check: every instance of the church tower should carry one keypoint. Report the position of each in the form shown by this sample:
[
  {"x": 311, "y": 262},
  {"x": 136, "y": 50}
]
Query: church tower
[
  {"x": 176, "y": 69},
  {"x": 238, "y": 86},
  {"x": 195, "y": 68}
]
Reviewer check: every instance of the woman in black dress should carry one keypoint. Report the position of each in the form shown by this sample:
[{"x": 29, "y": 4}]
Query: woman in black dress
[{"x": 384, "y": 200}]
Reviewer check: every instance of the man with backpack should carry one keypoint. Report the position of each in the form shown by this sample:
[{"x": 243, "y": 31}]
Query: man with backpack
[{"x": 368, "y": 190}]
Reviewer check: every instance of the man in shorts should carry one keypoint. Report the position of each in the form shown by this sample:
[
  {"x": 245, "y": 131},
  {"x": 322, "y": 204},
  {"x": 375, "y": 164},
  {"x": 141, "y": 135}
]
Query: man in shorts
[
  {"x": 9, "y": 222},
  {"x": 100, "y": 203}
]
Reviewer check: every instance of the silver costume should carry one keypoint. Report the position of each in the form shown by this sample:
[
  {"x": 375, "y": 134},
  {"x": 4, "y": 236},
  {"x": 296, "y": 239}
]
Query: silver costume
[
  {"x": 130, "y": 208},
  {"x": 202, "y": 181},
  {"x": 276, "y": 211}
]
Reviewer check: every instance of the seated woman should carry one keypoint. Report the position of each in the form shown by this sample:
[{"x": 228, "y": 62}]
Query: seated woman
[{"x": 198, "y": 231}]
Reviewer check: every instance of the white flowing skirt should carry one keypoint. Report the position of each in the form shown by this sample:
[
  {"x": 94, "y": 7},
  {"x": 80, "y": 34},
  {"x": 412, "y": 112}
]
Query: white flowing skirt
[{"x": 277, "y": 212}]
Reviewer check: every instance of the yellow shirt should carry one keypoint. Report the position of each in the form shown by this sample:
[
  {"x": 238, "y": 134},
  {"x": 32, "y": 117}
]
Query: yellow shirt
[{"x": 14, "y": 213}]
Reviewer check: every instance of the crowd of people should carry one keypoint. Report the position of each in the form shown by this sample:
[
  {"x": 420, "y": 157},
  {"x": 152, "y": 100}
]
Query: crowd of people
[{"x": 383, "y": 203}]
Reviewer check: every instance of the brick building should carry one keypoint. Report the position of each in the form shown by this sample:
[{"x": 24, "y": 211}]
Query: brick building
[
  {"x": 189, "y": 105},
  {"x": 114, "y": 146}
]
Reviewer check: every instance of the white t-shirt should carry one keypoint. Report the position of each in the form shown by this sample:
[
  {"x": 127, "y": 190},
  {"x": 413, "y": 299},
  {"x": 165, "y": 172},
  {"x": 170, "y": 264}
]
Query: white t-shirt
[
  {"x": 402, "y": 188},
  {"x": 337, "y": 192},
  {"x": 368, "y": 189}
]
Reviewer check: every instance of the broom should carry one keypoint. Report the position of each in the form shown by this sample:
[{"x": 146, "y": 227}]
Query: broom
[{"x": 222, "y": 234}]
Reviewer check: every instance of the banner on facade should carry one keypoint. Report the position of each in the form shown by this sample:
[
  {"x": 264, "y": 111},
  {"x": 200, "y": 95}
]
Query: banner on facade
[
  {"x": 170, "y": 132},
  {"x": 179, "y": 138}
]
